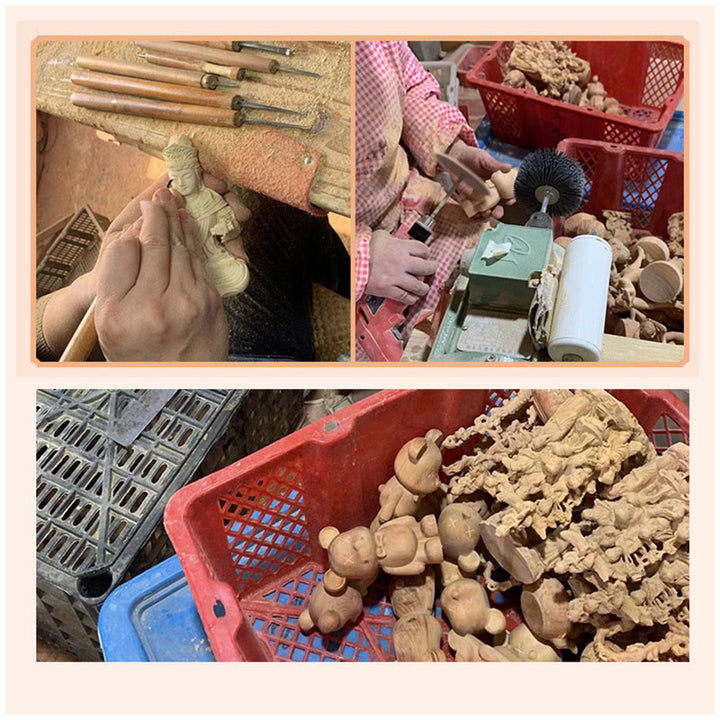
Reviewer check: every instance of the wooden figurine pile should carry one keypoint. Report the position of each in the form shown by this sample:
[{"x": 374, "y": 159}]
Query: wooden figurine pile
[
  {"x": 552, "y": 69},
  {"x": 645, "y": 297},
  {"x": 558, "y": 494}
]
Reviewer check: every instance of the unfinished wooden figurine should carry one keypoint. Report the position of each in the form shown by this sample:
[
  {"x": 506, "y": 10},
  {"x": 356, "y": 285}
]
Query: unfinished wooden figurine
[
  {"x": 417, "y": 634},
  {"x": 467, "y": 608},
  {"x": 402, "y": 546},
  {"x": 459, "y": 526},
  {"x": 331, "y": 612},
  {"x": 416, "y": 638},
  {"x": 214, "y": 218},
  {"x": 545, "y": 476},
  {"x": 417, "y": 473},
  {"x": 413, "y": 595},
  {"x": 545, "y": 611},
  {"x": 520, "y": 646}
]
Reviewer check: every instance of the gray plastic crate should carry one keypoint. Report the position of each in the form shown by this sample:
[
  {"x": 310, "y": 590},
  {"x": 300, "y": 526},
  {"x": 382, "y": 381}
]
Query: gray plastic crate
[
  {"x": 78, "y": 245},
  {"x": 99, "y": 505}
]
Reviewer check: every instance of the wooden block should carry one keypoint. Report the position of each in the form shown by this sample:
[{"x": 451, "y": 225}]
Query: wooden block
[
  {"x": 621, "y": 349},
  {"x": 661, "y": 281}
]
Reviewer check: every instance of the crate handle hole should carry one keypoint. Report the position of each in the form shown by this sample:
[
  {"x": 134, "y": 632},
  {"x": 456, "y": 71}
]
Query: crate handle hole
[
  {"x": 219, "y": 609},
  {"x": 94, "y": 584}
]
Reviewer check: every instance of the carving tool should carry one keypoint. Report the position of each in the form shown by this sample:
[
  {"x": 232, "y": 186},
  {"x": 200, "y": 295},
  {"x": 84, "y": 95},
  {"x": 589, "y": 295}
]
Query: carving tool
[
  {"x": 517, "y": 296},
  {"x": 191, "y": 77},
  {"x": 225, "y": 71},
  {"x": 165, "y": 91},
  {"x": 178, "y": 112},
  {"x": 520, "y": 296},
  {"x": 138, "y": 414},
  {"x": 84, "y": 338},
  {"x": 222, "y": 57},
  {"x": 238, "y": 45}
]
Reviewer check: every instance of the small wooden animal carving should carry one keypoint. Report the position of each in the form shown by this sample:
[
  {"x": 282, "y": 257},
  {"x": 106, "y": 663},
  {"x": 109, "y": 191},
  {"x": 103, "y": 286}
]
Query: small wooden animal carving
[
  {"x": 402, "y": 546},
  {"x": 417, "y": 473},
  {"x": 330, "y": 612},
  {"x": 459, "y": 527},
  {"x": 413, "y": 595},
  {"x": 465, "y": 603},
  {"x": 520, "y": 646}
]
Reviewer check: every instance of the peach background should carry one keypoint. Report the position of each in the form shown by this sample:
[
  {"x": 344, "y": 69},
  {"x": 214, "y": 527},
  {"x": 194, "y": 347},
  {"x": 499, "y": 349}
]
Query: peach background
[{"x": 357, "y": 688}]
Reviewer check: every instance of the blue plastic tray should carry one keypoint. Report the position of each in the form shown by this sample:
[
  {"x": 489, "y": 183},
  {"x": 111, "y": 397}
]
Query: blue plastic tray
[
  {"x": 153, "y": 618},
  {"x": 673, "y": 139}
]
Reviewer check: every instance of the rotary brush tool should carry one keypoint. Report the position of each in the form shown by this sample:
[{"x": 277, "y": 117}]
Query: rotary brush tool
[{"x": 522, "y": 297}]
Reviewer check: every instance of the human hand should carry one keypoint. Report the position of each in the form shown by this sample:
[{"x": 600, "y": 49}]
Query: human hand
[
  {"x": 477, "y": 160},
  {"x": 395, "y": 266},
  {"x": 154, "y": 301},
  {"x": 481, "y": 163}
]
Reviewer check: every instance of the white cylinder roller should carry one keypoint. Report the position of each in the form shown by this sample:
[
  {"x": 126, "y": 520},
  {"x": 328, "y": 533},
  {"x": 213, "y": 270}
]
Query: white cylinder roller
[{"x": 579, "y": 317}]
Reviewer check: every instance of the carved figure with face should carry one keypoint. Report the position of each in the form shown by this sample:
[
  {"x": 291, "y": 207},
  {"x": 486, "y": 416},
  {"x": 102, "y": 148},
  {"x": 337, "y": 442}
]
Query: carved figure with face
[{"x": 214, "y": 218}]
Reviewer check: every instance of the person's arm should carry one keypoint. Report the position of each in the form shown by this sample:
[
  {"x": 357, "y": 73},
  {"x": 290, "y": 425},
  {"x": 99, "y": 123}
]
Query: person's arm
[
  {"x": 429, "y": 124},
  {"x": 59, "y": 313},
  {"x": 362, "y": 257}
]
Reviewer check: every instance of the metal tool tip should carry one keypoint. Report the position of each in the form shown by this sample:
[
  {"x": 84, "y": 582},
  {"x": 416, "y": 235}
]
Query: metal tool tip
[{"x": 281, "y": 68}]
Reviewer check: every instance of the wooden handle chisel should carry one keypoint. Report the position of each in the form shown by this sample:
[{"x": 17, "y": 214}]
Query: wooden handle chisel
[
  {"x": 192, "y": 77},
  {"x": 179, "y": 112},
  {"x": 150, "y": 89},
  {"x": 234, "y": 73},
  {"x": 165, "y": 91},
  {"x": 222, "y": 57}
]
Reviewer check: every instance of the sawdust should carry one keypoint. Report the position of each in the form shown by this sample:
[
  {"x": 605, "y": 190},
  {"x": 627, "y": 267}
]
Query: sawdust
[{"x": 240, "y": 155}]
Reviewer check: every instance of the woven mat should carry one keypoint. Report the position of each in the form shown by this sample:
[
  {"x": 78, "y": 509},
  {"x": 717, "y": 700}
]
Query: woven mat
[{"x": 331, "y": 324}]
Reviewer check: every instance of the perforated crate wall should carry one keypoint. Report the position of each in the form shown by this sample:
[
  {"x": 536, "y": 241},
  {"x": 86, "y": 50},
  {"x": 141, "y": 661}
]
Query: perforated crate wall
[
  {"x": 76, "y": 246},
  {"x": 648, "y": 184},
  {"x": 646, "y": 77},
  {"x": 246, "y": 536},
  {"x": 99, "y": 505}
]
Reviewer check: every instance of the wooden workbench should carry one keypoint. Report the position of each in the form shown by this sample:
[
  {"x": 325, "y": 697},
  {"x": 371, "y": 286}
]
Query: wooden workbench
[{"x": 309, "y": 170}]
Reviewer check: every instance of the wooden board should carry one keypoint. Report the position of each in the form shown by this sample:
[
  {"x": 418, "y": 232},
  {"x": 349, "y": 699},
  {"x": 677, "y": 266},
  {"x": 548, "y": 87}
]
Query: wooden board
[
  {"x": 615, "y": 349},
  {"x": 623, "y": 349},
  {"x": 303, "y": 169}
]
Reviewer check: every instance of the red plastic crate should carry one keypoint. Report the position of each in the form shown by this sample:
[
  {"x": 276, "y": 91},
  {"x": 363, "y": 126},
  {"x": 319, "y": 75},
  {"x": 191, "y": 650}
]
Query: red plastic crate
[
  {"x": 468, "y": 61},
  {"x": 247, "y": 535},
  {"x": 649, "y": 184},
  {"x": 645, "y": 76}
]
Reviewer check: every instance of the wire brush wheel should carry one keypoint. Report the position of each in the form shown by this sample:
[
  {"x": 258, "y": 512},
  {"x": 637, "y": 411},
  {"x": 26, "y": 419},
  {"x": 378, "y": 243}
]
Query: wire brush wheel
[{"x": 549, "y": 168}]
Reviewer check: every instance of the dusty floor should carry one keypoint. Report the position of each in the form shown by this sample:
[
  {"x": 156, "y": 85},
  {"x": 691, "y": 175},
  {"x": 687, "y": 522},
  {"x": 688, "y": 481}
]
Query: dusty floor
[{"x": 76, "y": 167}]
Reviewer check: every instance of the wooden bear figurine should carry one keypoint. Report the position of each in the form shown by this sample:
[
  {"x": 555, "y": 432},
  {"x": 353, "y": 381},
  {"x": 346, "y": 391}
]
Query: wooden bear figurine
[
  {"x": 417, "y": 473},
  {"x": 459, "y": 527},
  {"x": 330, "y": 612},
  {"x": 465, "y": 603},
  {"x": 402, "y": 546}
]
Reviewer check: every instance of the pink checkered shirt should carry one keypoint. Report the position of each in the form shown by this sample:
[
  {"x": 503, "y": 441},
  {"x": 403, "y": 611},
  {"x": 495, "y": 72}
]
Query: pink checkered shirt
[{"x": 400, "y": 124}]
